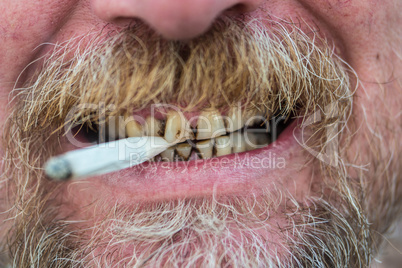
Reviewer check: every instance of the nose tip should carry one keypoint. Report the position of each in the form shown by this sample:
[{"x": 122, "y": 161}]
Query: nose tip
[
  {"x": 181, "y": 19},
  {"x": 173, "y": 19}
]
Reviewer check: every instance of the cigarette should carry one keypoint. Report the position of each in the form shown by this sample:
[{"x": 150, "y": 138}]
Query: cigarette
[{"x": 104, "y": 158}]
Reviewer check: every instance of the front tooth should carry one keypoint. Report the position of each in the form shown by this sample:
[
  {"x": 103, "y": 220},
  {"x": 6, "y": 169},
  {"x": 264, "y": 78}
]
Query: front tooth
[
  {"x": 153, "y": 127},
  {"x": 235, "y": 120},
  {"x": 177, "y": 128},
  {"x": 184, "y": 150},
  {"x": 256, "y": 140},
  {"x": 115, "y": 128},
  {"x": 168, "y": 154},
  {"x": 223, "y": 146},
  {"x": 239, "y": 142},
  {"x": 205, "y": 148},
  {"x": 133, "y": 128},
  {"x": 210, "y": 125}
]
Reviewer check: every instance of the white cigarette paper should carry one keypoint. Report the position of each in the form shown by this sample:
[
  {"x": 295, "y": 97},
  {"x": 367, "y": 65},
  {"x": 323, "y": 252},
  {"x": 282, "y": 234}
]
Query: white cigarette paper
[{"x": 104, "y": 158}]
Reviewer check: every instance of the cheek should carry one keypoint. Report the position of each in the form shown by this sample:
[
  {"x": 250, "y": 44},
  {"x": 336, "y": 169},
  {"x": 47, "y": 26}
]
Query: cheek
[{"x": 24, "y": 25}]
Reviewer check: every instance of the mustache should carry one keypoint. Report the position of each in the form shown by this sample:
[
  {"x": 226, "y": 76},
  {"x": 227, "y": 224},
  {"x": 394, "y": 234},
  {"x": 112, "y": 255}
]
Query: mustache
[{"x": 275, "y": 70}]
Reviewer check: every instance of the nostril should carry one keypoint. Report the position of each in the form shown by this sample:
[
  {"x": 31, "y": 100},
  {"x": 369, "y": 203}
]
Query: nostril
[
  {"x": 234, "y": 10},
  {"x": 122, "y": 21},
  {"x": 238, "y": 9}
]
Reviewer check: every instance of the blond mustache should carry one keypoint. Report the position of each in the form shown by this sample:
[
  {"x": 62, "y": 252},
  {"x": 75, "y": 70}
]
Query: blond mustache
[{"x": 274, "y": 71}]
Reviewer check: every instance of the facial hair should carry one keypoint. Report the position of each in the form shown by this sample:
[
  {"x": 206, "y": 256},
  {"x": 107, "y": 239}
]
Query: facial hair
[{"x": 280, "y": 70}]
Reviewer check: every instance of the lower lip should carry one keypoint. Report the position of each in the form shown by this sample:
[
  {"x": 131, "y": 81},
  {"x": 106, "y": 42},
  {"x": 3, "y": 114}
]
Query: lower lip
[{"x": 227, "y": 175}]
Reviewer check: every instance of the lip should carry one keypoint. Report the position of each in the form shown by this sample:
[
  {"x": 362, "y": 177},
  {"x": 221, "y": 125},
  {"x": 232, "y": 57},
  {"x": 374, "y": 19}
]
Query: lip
[{"x": 235, "y": 174}]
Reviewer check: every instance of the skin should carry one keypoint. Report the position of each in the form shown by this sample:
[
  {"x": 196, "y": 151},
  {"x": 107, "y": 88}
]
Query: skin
[{"x": 365, "y": 33}]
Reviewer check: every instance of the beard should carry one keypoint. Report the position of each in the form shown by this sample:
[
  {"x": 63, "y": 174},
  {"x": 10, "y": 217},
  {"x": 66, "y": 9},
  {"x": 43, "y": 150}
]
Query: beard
[{"x": 280, "y": 71}]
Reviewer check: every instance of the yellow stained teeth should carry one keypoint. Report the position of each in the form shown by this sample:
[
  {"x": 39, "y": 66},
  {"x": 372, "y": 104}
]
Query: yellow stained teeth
[
  {"x": 210, "y": 125},
  {"x": 205, "y": 148},
  {"x": 184, "y": 150},
  {"x": 133, "y": 128},
  {"x": 216, "y": 136},
  {"x": 239, "y": 142},
  {"x": 235, "y": 120},
  {"x": 223, "y": 146},
  {"x": 153, "y": 127},
  {"x": 177, "y": 128},
  {"x": 168, "y": 154}
]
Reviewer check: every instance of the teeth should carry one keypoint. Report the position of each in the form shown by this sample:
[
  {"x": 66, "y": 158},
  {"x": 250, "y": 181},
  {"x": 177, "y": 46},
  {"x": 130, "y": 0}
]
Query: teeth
[
  {"x": 236, "y": 142},
  {"x": 115, "y": 128},
  {"x": 184, "y": 150},
  {"x": 239, "y": 142},
  {"x": 205, "y": 148},
  {"x": 256, "y": 140},
  {"x": 168, "y": 154},
  {"x": 235, "y": 120},
  {"x": 177, "y": 128},
  {"x": 223, "y": 146},
  {"x": 211, "y": 130},
  {"x": 133, "y": 128},
  {"x": 210, "y": 125},
  {"x": 153, "y": 127}
]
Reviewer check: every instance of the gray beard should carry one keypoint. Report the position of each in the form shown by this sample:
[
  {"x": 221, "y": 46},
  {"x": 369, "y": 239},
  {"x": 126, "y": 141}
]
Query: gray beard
[{"x": 231, "y": 232}]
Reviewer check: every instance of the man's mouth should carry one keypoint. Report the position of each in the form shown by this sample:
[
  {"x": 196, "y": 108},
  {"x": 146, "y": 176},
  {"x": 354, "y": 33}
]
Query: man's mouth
[
  {"x": 213, "y": 153},
  {"x": 203, "y": 135}
]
